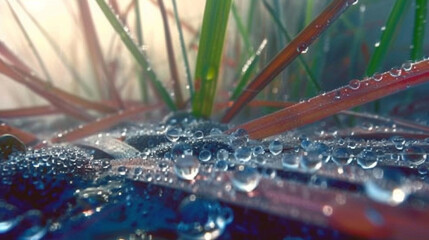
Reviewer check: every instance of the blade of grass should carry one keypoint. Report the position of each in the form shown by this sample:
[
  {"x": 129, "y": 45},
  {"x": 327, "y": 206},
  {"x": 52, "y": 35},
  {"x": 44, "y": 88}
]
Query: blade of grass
[
  {"x": 139, "y": 32},
  {"x": 241, "y": 29},
  {"x": 283, "y": 29},
  {"x": 288, "y": 54},
  {"x": 96, "y": 54},
  {"x": 247, "y": 70},
  {"x": 103, "y": 124},
  {"x": 27, "y": 138},
  {"x": 308, "y": 12},
  {"x": 28, "y": 112},
  {"x": 184, "y": 52},
  {"x": 419, "y": 29},
  {"x": 209, "y": 56},
  {"x": 69, "y": 66},
  {"x": 40, "y": 89},
  {"x": 386, "y": 39},
  {"x": 330, "y": 103},
  {"x": 137, "y": 54},
  {"x": 171, "y": 57},
  {"x": 30, "y": 43}
]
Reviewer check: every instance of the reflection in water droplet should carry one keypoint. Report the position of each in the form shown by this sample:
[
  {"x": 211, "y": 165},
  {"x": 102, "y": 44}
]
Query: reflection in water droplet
[
  {"x": 243, "y": 154},
  {"x": 173, "y": 134},
  {"x": 342, "y": 156},
  {"x": 414, "y": 155},
  {"x": 275, "y": 147},
  {"x": 205, "y": 155},
  {"x": 387, "y": 186},
  {"x": 290, "y": 160},
  {"x": 354, "y": 84},
  {"x": 245, "y": 178},
  {"x": 186, "y": 167},
  {"x": 367, "y": 159},
  {"x": 311, "y": 161}
]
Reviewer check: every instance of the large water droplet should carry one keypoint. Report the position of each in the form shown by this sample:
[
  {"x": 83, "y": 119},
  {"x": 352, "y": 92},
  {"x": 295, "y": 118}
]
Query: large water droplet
[
  {"x": 290, "y": 160},
  {"x": 303, "y": 48},
  {"x": 186, "y": 167},
  {"x": 243, "y": 154},
  {"x": 367, "y": 159},
  {"x": 33, "y": 225},
  {"x": 395, "y": 72},
  {"x": 205, "y": 155},
  {"x": 311, "y": 161},
  {"x": 354, "y": 84},
  {"x": 342, "y": 156},
  {"x": 8, "y": 217},
  {"x": 173, "y": 134},
  {"x": 245, "y": 178},
  {"x": 387, "y": 186},
  {"x": 398, "y": 141},
  {"x": 222, "y": 154},
  {"x": 275, "y": 147},
  {"x": 414, "y": 155}
]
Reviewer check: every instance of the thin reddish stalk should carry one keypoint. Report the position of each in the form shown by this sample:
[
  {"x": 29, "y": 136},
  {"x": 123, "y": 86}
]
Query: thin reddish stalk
[
  {"x": 28, "y": 112},
  {"x": 96, "y": 54},
  {"x": 27, "y": 138},
  {"x": 188, "y": 27},
  {"x": 171, "y": 57},
  {"x": 40, "y": 89},
  {"x": 103, "y": 124},
  {"x": 298, "y": 45},
  {"x": 330, "y": 103},
  {"x": 12, "y": 58},
  {"x": 68, "y": 97}
]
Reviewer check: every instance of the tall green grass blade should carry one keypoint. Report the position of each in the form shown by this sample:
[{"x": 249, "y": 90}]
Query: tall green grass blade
[
  {"x": 69, "y": 66},
  {"x": 419, "y": 29},
  {"x": 247, "y": 70},
  {"x": 308, "y": 11},
  {"x": 139, "y": 32},
  {"x": 386, "y": 39},
  {"x": 30, "y": 43},
  {"x": 283, "y": 29},
  {"x": 251, "y": 15},
  {"x": 209, "y": 55},
  {"x": 242, "y": 30},
  {"x": 137, "y": 54},
  {"x": 184, "y": 52}
]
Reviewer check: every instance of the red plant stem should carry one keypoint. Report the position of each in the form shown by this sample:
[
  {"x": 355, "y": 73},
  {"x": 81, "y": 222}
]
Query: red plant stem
[
  {"x": 171, "y": 57},
  {"x": 298, "y": 45},
  {"x": 27, "y": 138},
  {"x": 102, "y": 124},
  {"x": 28, "y": 112},
  {"x": 12, "y": 58},
  {"x": 41, "y": 90},
  {"x": 96, "y": 53},
  {"x": 330, "y": 103},
  {"x": 68, "y": 97}
]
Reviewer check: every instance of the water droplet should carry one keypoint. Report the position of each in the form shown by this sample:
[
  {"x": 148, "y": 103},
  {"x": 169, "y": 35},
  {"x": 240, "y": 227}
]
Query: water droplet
[
  {"x": 367, "y": 159},
  {"x": 243, "y": 154},
  {"x": 407, "y": 66},
  {"x": 414, "y": 155},
  {"x": 215, "y": 132},
  {"x": 205, "y": 155},
  {"x": 342, "y": 156},
  {"x": 290, "y": 160},
  {"x": 352, "y": 2},
  {"x": 222, "y": 154},
  {"x": 387, "y": 186},
  {"x": 122, "y": 170},
  {"x": 354, "y": 84},
  {"x": 33, "y": 225},
  {"x": 258, "y": 150},
  {"x": 275, "y": 147},
  {"x": 221, "y": 165},
  {"x": 186, "y": 167},
  {"x": 377, "y": 77},
  {"x": 198, "y": 135},
  {"x": 173, "y": 134},
  {"x": 303, "y": 48},
  {"x": 398, "y": 141},
  {"x": 10, "y": 144},
  {"x": 311, "y": 161},
  {"x": 337, "y": 95},
  {"x": 8, "y": 217},
  {"x": 395, "y": 72},
  {"x": 202, "y": 219},
  {"x": 245, "y": 178}
]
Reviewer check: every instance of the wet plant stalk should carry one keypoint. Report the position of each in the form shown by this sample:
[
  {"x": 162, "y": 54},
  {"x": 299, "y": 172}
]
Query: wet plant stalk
[
  {"x": 419, "y": 29},
  {"x": 209, "y": 56}
]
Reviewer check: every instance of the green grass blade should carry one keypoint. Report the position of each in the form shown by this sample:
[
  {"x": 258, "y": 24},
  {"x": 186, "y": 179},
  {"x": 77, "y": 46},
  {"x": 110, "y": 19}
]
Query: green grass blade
[
  {"x": 184, "y": 52},
  {"x": 242, "y": 30},
  {"x": 283, "y": 29},
  {"x": 30, "y": 43},
  {"x": 209, "y": 55},
  {"x": 308, "y": 11},
  {"x": 419, "y": 29},
  {"x": 247, "y": 70},
  {"x": 137, "y": 54},
  {"x": 139, "y": 32},
  {"x": 69, "y": 66},
  {"x": 386, "y": 39}
]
